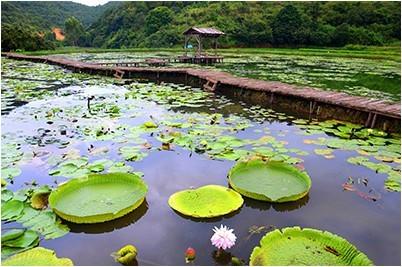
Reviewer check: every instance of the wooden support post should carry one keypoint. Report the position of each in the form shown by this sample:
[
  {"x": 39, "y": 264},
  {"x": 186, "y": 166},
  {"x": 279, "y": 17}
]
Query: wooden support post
[
  {"x": 368, "y": 120},
  {"x": 312, "y": 107},
  {"x": 373, "y": 121}
]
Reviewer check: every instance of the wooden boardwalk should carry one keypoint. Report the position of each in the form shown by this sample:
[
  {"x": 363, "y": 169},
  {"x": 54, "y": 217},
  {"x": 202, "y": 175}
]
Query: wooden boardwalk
[{"x": 217, "y": 81}]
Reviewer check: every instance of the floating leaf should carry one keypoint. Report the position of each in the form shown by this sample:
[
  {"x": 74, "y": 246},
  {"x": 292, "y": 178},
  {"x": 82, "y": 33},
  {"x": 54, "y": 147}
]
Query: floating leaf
[
  {"x": 37, "y": 257},
  {"x": 98, "y": 150},
  {"x": 12, "y": 234},
  {"x": 120, "y": 167},
  {"x": 6, "y": 195},
  {"x": 132, "y": 153},
  {"x": 71, "y": 168},
  {"x": 393, "y": 182},
  {"x": 12, "y": 209},
  {"x": 10, "y": 173},
  {"x": 150, "y": 124},
  {"x": 98, "y": 197},
  {"x": 269, "y": 180},
  {"x": 357, "y": 160},
  {"x": 25, "y": 240},
  {"x": 296, "y": 246},
  {"x": 206, "y": 201},
  {"x": 323, "y": 152},
  {"x": 44, "y": 222}
]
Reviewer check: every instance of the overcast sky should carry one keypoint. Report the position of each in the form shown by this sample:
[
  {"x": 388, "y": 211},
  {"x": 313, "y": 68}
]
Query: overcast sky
[{"x": 91, "y": 2}]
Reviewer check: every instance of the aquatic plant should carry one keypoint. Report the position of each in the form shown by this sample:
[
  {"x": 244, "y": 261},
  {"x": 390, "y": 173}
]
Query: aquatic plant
[
  {"x": 269, "y": 180},
  {"x": 189, "y": 255},
  {"x": 223, "y": 237},
  {"x": 296, "y": 246},
  {"x": 126, "y": 255},
  {"x": 98, "y": 197},
  {"x": 206, "y": 201},
  {"x": 37, "y": 257}
]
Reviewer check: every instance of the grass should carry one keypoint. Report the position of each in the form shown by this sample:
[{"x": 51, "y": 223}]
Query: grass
[{"x": 371, "y": 52}]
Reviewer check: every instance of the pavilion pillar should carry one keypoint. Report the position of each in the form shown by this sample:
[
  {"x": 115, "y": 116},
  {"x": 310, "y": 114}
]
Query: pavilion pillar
[
  {"x": 200, "y": 44},
  {"x": 216, "y": 45},
  {"x": 185, "y": 45}
]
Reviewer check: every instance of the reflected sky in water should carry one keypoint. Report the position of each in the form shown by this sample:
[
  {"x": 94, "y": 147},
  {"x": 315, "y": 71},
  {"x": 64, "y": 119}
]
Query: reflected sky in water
[{"x": 161, "y": 235}]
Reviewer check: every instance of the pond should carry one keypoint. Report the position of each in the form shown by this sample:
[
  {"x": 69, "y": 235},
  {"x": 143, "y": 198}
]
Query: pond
[
  {"x": 377, "y": 78},
  {"x": 177, "y": 137}
]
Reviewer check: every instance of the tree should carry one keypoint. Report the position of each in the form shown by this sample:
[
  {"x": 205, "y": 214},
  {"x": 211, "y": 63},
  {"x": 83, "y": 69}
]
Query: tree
[
  {"x": 74, "y": 31},
  {"x": 287, "y": 26},
  {"x": 157, "y": 18},
  {"x": 14, "y": 36}
]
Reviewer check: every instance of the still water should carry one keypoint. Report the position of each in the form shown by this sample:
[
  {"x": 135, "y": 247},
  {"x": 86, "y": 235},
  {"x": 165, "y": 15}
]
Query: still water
[{"x": 160, "y": 234}]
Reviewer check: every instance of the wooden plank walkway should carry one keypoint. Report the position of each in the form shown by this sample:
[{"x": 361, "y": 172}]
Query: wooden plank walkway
[{"x": 215, "y": 79}]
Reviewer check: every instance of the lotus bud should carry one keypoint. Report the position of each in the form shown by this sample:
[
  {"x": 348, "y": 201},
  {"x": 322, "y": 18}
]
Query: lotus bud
[
  {"x": 237, "y": 262},
  {"x": 126, "y": 255},
  {"x": 190, "y": 254}
]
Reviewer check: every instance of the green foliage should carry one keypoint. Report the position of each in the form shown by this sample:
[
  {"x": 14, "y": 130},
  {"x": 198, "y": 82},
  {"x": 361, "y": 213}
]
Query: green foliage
[
  {"x": 141, "y": 24},
  {"x": 23, "y": 37},
  {"x": 75, "y": 32},
  {"x": 287, "y": 26},
  {"x": 253, "y": 24},
  {"x": 157, "y": 18},
  {"x": 45, "y": 15}
]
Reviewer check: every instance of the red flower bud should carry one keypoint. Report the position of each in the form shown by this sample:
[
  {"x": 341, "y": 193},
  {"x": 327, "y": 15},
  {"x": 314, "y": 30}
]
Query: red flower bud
[{"x": 190, "y": 254}]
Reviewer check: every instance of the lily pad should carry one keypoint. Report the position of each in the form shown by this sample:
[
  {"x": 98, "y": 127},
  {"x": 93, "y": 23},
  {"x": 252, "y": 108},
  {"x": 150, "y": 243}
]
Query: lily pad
[
  {"x": 12, "y": 234},
  {"x": 25, "y": 240},
  {"x": 206, "y": 201},
  {"x": 37, "y": 257},
  {"x": 11, "y": 209},
  {"x": 9, "y": 173},
  {"x": 98, "y": 197},
  {"x": 323, "y": 152},
  {"x": 269, "y": 180},
  {"x": 296, "y": 246}
]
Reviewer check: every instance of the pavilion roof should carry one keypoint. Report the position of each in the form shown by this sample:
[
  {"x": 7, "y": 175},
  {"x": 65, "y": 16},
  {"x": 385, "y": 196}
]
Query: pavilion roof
[{"x": 209, "y": 32}]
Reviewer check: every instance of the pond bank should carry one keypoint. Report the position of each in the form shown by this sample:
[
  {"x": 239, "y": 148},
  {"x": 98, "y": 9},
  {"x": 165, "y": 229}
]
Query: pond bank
[{"x": 303, "y": 101}]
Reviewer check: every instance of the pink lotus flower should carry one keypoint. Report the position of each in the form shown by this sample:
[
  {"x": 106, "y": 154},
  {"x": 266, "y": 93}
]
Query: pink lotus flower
[{"x": 223, "y": 237}]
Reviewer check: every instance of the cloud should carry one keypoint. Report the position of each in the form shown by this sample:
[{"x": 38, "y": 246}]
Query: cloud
[{"x": 91, "y": 2}]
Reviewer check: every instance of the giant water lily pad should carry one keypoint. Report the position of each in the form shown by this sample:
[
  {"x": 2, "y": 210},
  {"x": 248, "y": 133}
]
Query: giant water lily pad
[
  {"x": 296, "y": 246},
  {"x": 37, "y": 257},
  {"x": 98, "y": 197},
  {"x": 206, "y": 201},
  {"x": 269, "y": 180}
]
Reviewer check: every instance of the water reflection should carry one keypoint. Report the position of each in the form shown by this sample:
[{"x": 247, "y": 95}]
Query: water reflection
[
  {"x": 281, "y": 207},
  {"x": 221, "y": 257},
  {"x": 110, "y": 226},
  {"x": 215, "y": 219}
]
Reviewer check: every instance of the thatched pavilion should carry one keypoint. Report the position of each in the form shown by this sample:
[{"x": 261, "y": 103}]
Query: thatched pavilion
[{"x": 199, "y": 34}]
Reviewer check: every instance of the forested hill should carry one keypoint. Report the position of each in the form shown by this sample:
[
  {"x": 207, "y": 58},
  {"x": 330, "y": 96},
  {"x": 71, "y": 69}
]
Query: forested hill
[
  {"x": 250, "y": 23},
  {"x": 47, "y": 14},
  {"x": 246, "y": 24}
]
